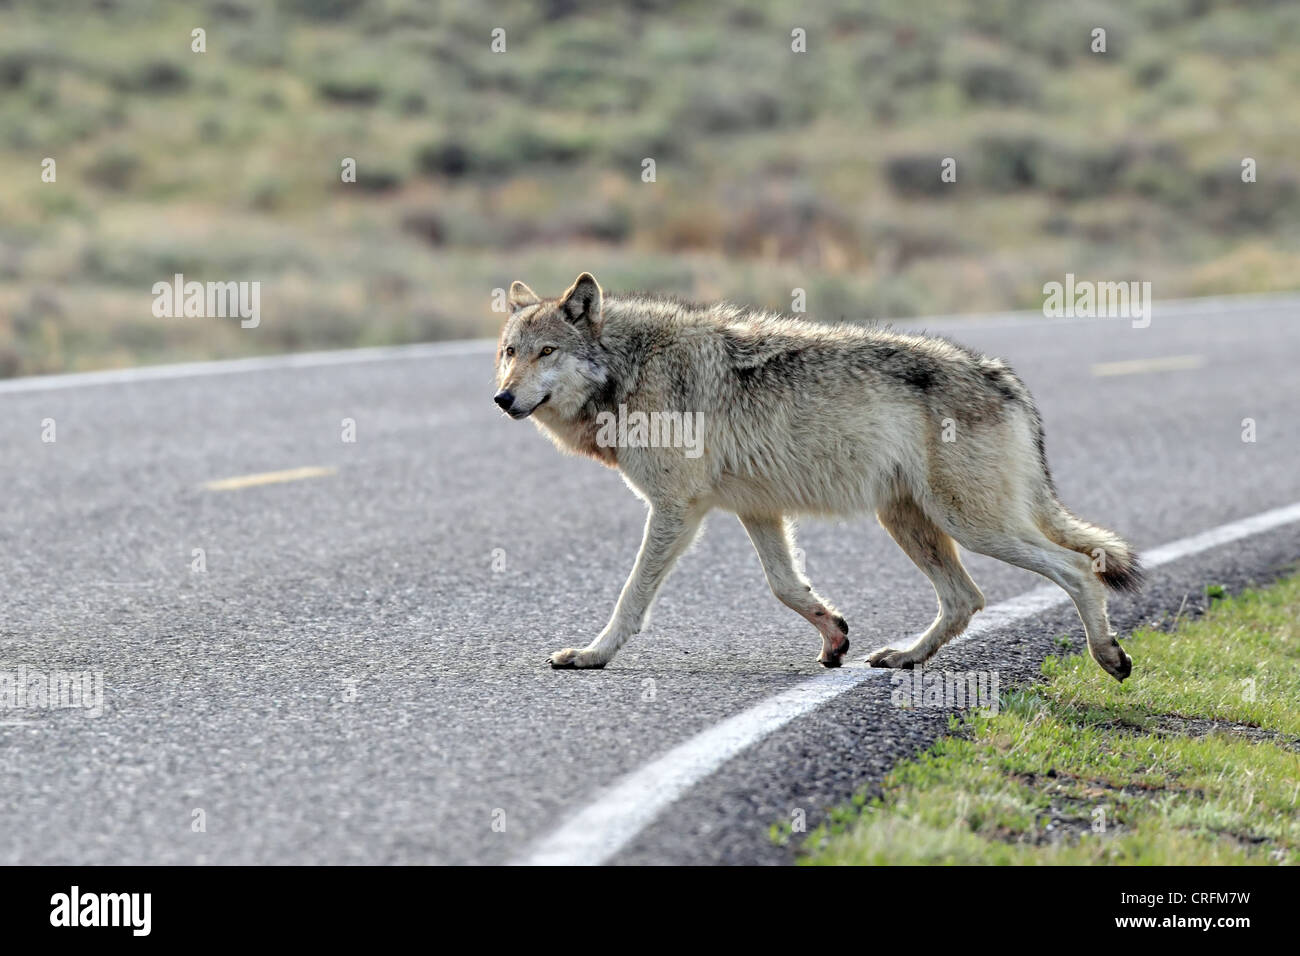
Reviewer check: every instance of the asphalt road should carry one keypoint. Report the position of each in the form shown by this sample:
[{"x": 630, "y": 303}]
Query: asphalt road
[{"x": 359, "y": 674}]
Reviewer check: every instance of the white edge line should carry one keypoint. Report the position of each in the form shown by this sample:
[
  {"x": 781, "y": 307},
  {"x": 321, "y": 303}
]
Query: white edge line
[
  {"x": 619, "y": 812},
  {"x": 1160, "y": 309},
  {"x": 1147, "y": 366},
  {"x": 147, "y": 373},
  {"x": 462, "y": 347}
]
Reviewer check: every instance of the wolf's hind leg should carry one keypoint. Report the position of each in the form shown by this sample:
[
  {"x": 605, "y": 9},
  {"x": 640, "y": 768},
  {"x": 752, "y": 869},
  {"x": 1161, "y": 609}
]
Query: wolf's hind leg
[
  {"x": 669, "y": 531},
  {"x": 1031, "y": 549},
  {"x": 935, "y": 554},
  {"x": 773, "y": 539}
]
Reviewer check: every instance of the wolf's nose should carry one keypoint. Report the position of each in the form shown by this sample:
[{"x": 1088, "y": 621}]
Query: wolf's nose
[{"x": 504, "y": 399}]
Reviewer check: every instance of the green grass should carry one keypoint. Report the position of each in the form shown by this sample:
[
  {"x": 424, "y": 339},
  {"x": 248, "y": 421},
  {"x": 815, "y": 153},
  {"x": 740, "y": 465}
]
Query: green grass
[{"x": 1194, "y": 760}]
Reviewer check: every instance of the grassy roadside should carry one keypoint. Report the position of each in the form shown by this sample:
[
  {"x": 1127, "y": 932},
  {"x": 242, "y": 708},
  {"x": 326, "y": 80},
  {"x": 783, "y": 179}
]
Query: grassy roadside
[{"x": 1194, "y": 760}]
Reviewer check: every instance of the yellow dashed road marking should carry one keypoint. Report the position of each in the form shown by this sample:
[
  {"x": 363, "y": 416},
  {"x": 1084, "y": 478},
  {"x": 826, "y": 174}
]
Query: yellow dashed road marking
[
  {"x": 268, "y": 478},
  {"x": 1173, "y": 363}
]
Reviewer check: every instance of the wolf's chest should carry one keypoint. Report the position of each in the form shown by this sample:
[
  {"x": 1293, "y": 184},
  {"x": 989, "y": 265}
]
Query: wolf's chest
[{"x": 581, "y": 438}]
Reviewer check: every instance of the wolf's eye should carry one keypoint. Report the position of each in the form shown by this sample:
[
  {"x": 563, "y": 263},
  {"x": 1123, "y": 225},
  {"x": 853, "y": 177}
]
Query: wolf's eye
[
  {"x": 548, "y": 350},
  {"x": 510, "y": 350}
]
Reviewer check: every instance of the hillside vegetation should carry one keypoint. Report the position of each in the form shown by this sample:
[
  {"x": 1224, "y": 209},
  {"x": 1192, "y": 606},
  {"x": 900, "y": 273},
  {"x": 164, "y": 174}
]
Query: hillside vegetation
[{"x": 774, "y": 169}]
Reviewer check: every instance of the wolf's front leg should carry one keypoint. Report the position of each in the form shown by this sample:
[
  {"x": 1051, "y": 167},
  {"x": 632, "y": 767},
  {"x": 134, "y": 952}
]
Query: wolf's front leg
[
  {"x": 773, "y": 539},
  {"x": 669, "y": 531}
]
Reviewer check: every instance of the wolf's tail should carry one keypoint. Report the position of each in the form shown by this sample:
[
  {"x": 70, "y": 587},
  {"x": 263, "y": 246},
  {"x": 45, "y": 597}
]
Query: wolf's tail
[{"x": 1115, "y": 561}]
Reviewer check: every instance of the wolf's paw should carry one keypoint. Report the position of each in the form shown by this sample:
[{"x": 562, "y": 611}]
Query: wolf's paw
[
  {"x": 1114, "y": 662},
  {"x": 834, "y": 658},
  {"x": 893, "y": 657},
  {"x": 573, "y": 658}
]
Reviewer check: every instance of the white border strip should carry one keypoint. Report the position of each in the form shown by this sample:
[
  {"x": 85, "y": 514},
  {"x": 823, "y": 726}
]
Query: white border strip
[
  {"x": 1161, "y": 309},
  {"x": 154, "y": 373},
  {"x": 621, "y": 811},
  {"x": 1172, "y": 308}
]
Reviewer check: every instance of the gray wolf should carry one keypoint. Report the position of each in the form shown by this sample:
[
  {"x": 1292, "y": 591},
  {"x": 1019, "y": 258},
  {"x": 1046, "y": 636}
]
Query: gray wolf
[{"x": 798, "y": 418}]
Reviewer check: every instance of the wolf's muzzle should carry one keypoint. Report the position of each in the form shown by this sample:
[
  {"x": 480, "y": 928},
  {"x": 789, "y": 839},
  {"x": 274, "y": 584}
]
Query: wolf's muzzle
[{"x": 506, "y": 401}]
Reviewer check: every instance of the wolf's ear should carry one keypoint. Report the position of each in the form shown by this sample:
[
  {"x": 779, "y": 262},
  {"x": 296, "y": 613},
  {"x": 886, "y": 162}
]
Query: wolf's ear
[
  {"x": 581, "y": 304},
  {"x": 520, "y": 296}
]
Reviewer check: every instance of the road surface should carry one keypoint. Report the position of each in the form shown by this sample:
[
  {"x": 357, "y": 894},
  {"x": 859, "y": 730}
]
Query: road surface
[{"x": 356, "y": 673}]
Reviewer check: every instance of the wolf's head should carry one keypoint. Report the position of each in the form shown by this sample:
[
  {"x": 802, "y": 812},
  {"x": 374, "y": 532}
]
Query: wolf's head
[{"x": 549, "y": 353}]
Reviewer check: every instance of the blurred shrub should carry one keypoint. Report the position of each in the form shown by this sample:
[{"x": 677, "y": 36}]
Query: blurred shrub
[
  {"x": 323, "y": 9},
  {"x": 154, "y": 77},
  {"x": 1151, "y": 71},
  {"x": 354, "y": 89},
  {"x": 1224, "y": 32},
  {"x": 1230, "y": 204},
  {"x": 505, "y": 148},
  {"x": 412, "y": 103},
  {"x": 1159, "y": 171},
  {"x": 1083, "y": 170},
  {"x": 986, "y": 80},
  {"x": 425, "y": 224},
  {"x": 627, "y": 146},
  {"x": 728, "y": 110},
  {"x": 268, "y": 193},
  {"x": 114, "y": 168},
  {"x": 594, "y": 220},
  {"x": 520, "y": 144},
  {"x": 235, "y": 11},
  {"x": 917, "y": 174},
  {"x": 1061, "y": 34},
  {"x": 444, "y": 157},
  {"x": 14, "y": 67},
  {"x": 379, "y": 178},
  {"x": 1011, "y": 160},
  {"x": 789, "y": 224},
  {"x": 263, "y": 47}
]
